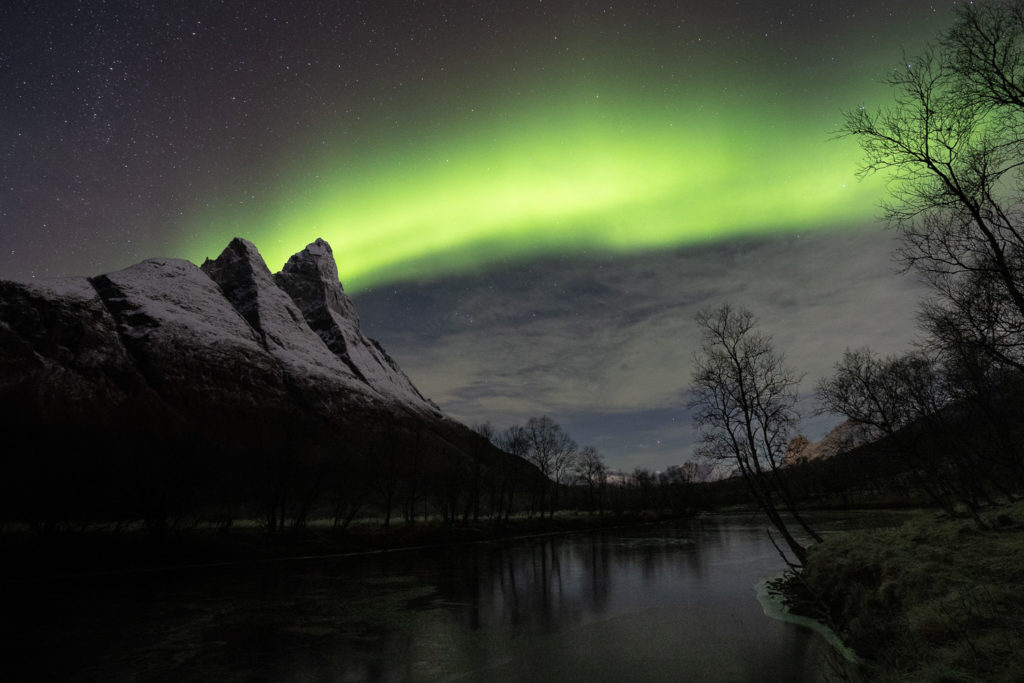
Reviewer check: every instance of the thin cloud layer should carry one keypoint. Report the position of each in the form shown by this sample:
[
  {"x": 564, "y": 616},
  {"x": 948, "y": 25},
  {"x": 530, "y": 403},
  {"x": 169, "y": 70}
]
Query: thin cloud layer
[{"x": 605, "y": 345}]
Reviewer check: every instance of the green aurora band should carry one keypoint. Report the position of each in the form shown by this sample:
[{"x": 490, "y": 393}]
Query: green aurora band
[{"x": 572, "y": 174}]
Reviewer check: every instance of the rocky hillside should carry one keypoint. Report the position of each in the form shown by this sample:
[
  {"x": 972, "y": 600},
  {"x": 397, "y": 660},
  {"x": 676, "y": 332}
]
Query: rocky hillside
[{"x": 171, "y": 386}]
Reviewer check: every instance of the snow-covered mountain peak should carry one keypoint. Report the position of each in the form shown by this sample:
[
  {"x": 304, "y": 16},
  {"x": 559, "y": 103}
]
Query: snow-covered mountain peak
[
  {"x": 243, "y": 276},
  {"x": 311, "y": 279},
  {"x": 311, "y": 275},
  {"x": 226, "y": 333},
  {"x": 239, "y": 270},
  {"x": 240, "y": 250}
]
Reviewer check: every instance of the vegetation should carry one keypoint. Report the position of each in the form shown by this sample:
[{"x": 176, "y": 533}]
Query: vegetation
[
  {"x": 940, "y": 599},
  {"x": 935, "y": 599},
  {"x": 120, "y": 547}
]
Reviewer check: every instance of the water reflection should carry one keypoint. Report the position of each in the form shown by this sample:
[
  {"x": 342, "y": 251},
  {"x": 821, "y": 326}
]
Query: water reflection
[{"x": 655, "y": 603}]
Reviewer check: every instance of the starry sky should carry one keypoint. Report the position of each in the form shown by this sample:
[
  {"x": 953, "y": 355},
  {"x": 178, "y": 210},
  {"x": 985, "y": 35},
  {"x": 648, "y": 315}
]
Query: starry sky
[{"x": 528, "y": 201}]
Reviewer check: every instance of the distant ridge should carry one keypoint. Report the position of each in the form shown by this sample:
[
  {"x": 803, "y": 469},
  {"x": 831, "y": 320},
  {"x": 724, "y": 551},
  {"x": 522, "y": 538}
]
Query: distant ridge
[{"x": 842, "y": 438}]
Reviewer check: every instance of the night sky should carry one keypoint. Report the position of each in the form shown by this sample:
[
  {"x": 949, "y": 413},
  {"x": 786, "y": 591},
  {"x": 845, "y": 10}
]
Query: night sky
[{"x": 529, "y": 201}]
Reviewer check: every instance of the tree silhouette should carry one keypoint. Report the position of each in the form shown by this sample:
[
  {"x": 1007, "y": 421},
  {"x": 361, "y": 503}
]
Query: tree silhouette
[
  {"x": 744, "y": 399},
  {"x": 591, "y": 471},
  {"x": 553, "y": 451},
  {"x": 952, "y": 145}
]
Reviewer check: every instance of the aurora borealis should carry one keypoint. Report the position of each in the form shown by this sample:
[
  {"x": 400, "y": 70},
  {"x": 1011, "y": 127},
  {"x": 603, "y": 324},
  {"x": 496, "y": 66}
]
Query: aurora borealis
[
  {"x": 497, "y": 179},
  {"x": 424, "y": 139},
  {"x": 629, "y": 175},
  {"x": 645, "y": 142}
]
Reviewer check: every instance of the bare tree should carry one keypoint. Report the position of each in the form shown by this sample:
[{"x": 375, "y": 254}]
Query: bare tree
[
  {"x": 923, "y": 409},
  {"x": 645, "y": 481},
  {"x": 984, "y": 49},
  {"x": 591, "y": 471},
  {"x": 387, "y": 459},
  {"x": 553, "y": 452},
  {"x": 515, "y": 442},
  {"x": 350, "y": 488},
  {"x": 886, "y": 397},
  {"x": 744, "y": 399},
  {"x": 677, "y": 482},
  {"x": 952, "y": 145},
  {"x": 487, "y": 431}
]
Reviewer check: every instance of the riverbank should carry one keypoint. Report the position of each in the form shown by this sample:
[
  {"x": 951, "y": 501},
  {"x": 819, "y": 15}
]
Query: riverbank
[
  {"x": 110, "y": 550},
  {"x": 936, "y": 599}
]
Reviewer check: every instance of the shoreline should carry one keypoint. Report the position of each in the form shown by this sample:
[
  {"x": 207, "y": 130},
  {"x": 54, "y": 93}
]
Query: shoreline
[
  {"x": 97, "y": 553},
  {"x": 109, "y": 550},
  {"x": 773, "y": 599}
]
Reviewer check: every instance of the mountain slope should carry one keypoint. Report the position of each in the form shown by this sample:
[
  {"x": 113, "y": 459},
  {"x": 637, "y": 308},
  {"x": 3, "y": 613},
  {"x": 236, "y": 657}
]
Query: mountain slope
[
  {"x": 165, "y": 388},
  {"x": 310, "y": 277}
]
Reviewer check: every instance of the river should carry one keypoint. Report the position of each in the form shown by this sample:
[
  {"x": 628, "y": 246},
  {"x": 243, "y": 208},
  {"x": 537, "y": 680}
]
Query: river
[{"x": 668, "y": 602}]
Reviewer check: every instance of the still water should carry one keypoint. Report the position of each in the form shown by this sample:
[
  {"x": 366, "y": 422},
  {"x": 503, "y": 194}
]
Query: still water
[{"x": 657, "y": 603}]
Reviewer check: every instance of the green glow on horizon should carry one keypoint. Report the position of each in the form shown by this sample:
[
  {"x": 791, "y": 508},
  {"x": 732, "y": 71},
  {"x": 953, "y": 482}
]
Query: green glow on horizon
[{"x": 560, "y": 175}]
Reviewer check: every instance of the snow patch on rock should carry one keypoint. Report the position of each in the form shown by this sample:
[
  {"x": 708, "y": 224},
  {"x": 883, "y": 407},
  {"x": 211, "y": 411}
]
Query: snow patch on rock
[
  {"x": 310, "y": 277},
  {"x": 243, "y": 276}
]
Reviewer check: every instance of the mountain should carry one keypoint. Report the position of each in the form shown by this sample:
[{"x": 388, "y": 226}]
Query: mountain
[
  {"x": 843, "y": 438},
  {"x": 167, "y": 388},
  {"x": 311, "y": 279}
]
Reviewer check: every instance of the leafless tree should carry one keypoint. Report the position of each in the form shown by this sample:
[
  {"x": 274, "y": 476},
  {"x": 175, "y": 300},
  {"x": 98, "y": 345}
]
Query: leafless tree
[
  {"x": 487, "y": 431},
  {"x": 744, "y": 399},
  {"x": 922, "y": 408},
  {"x": 885, "y": 398},
  {"x": 952, "y": 145},
  {"x": 645, "y": 482},
  {"x": 553, "y": 452},
  {"x": 515, "y": 442},
  {"x": 677, "y": 482},
  {"x": 592, "y": 473},
  {"x": 387, "y": 459}
]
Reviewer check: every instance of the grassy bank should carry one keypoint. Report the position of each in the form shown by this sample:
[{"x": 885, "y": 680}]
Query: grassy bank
[{"x": 936, "y": 599}]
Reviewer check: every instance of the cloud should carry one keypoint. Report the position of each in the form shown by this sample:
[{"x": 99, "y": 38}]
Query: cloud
[{"x": 604, "y": 344}]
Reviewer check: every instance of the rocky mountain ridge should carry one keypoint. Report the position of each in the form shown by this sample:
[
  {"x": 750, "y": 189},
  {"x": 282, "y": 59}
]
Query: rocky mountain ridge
[
  {"x": 166, "y": 378},
  {"x": 230, "y": 322}
]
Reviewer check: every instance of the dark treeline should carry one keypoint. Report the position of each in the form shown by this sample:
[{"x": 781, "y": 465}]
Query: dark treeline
[
  {"x": 958, "y": 442},
  {"x": 930, "y": 432},
  {"x": 578, "y": 479},
  {"x": 144, "y": 463},
  {"x": 869, "y": 476},
  {"x": 145, "y": 466}
]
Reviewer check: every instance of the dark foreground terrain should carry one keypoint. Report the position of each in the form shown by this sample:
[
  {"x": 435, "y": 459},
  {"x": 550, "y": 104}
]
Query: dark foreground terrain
[{"x": 936, "y": 599}]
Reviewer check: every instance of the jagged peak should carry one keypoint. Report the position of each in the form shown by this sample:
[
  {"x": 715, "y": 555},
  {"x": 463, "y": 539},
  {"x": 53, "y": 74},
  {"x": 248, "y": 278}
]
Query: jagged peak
[
  {"x": 238, "y": 249},
  {"x": 311, "y": 276},
  {"x": 319, "y": 254},
  {"x": 241, "y": 273},
  {"x": 320, "y": 247}
]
